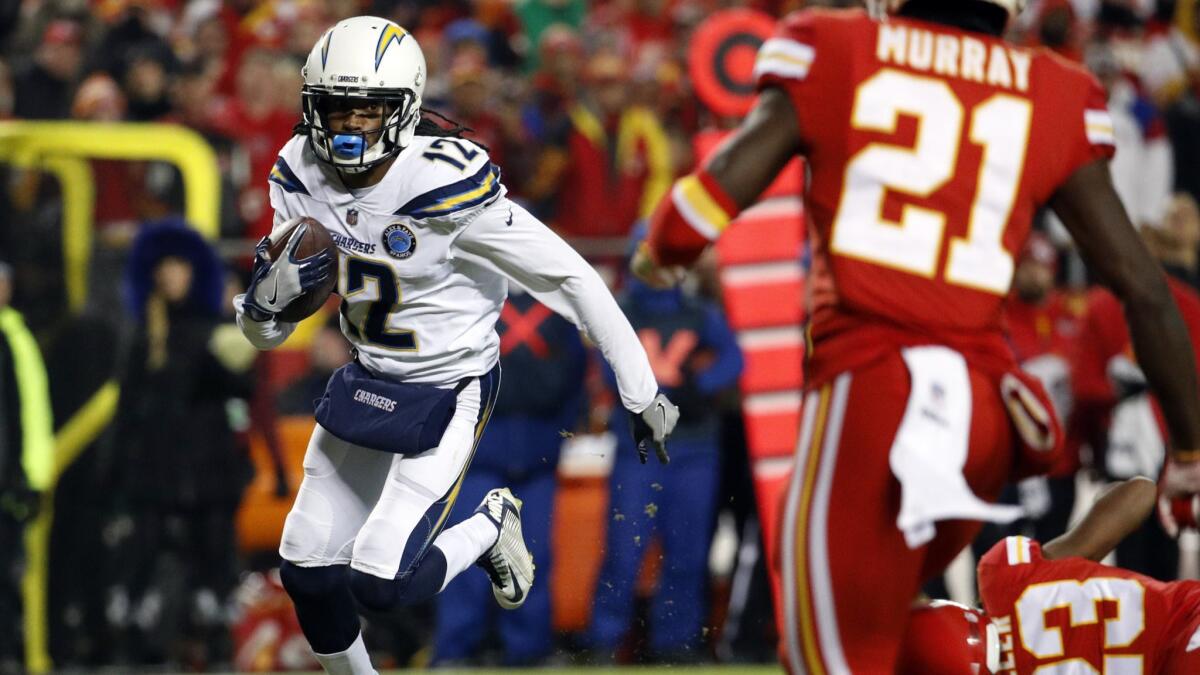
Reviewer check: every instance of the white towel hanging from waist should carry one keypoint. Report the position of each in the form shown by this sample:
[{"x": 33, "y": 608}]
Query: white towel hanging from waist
[{"x": 930, "y": 449}]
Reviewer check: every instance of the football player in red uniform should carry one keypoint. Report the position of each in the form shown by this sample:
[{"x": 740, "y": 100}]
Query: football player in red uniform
[
  {"x": 1056, "y": 609},
  {"x": 930, "y": 144}
]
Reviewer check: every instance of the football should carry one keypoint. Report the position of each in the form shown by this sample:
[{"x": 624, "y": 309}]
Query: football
[{"x": 314, "y": 240}]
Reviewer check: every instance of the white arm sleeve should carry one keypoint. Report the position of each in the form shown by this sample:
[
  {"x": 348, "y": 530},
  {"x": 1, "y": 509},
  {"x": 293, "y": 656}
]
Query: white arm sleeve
[
  {"x": 528, "y": 252},
  {"x": 263, "y": 335}
]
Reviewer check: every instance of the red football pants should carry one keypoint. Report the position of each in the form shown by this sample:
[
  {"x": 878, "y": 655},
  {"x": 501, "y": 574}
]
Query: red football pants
[{"x": 848, "y": 576}]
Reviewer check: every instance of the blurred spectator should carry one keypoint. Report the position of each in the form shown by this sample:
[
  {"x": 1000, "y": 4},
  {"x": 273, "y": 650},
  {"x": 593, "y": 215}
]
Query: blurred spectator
[
  {"x": 468, "y": 104},
  {"x": 537, "y": 16},
  {"x": 98, "y": 99},
  {"x": 254, "y": 119},
  {"x": 44, "y": 86},
  {"x": 1131, "y": 438},
  {"x": 146, "y": 88},
  {"x": 195, "y": 101},
  {"x": 495, "y": 123},
  {"x": 10, "y": 11},
  {"x": 1183, "y": 115},
  {"x": 546, "y": 117},
  {"x": 1057, "y": 28},
  {"x": 267, "y": 634},
  {"x": 6, "y": 92},
  {"x": 179, "y": 474},
  {"x": 1177, "y": 242},
  {"x": 695, "y": 357},
  {"x": 543, "y": 360},
  {"x": 647, "y": 26},
  {"x": 26, "y": 462},
  {"x": 619, "y": 160},
  {"x": 118, "y": 190},
  {"x": 1143, "y": 167},
  {"x": 1170, "y": 58},
  {"x": 204, "y": 41},
  {"x": 135, "y": 31},
  {"x": 328, "y": 352},
  {"x": 1043, "y": 324}
]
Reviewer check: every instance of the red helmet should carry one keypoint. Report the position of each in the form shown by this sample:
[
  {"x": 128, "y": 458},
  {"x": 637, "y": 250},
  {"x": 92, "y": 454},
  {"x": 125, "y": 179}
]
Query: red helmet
[{"x": 946, "y": 638}]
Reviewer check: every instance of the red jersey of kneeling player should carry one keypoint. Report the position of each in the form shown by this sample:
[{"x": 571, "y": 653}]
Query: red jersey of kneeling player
[
  {"x": 930, "y": 150},
  {"x": 1083, "y": 617}
]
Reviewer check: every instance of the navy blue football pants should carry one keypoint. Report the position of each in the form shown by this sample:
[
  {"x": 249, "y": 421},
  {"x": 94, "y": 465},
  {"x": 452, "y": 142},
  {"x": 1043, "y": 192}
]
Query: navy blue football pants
[{"x": 675, "y": 502}]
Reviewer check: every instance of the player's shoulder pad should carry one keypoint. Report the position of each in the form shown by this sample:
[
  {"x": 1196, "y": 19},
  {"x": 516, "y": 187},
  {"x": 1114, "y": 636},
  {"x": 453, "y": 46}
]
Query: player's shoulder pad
[
  {"x": 1012, "y": 551},
  {"x": 807, "y": 21},
  {"x": 448, "y": 176},
  {"x": 789, "y": 54},
  {"x": 811, "y": 17},
  {"x": 290, "y": 166},
  {"x": 1070, "y": 77}
]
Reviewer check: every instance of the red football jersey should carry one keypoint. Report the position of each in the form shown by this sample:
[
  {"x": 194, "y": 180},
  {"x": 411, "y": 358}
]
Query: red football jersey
[
  {"x": 930, "y": 149},
  {"x": 1043, "y": 337},
  {"x": 1076, "y": 616},
  {"x": 1048, "y": 328},
  {"x": 1105, "y": 334}
]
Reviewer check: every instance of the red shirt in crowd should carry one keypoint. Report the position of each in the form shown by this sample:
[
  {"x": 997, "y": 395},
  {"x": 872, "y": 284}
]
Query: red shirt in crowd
[
  {"x": 260, "y": 138},
  {"x": 1043, "y": 336},
  {"x": 1104, "y": 335}
]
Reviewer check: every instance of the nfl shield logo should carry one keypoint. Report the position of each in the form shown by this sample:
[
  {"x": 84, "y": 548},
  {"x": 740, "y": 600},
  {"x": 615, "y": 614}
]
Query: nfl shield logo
[{"x": 352, "y": 217}]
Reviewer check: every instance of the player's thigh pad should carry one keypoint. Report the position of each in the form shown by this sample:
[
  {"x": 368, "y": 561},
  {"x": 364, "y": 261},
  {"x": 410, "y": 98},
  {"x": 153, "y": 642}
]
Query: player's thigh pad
[
  {"x": 419, "y": 491},
  {"x": 341, "y": 483}
]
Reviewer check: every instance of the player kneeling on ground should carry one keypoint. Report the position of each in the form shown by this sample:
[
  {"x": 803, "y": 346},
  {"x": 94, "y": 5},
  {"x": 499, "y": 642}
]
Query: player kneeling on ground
[
  {"x": 425, "y": 241},
  {"x": 1055, "y": 608}
]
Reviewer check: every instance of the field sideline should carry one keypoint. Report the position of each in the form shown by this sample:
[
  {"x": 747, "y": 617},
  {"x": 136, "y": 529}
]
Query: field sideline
[
  {"x": 637, "y": 669},
  {"x": 640, "y": 670}
]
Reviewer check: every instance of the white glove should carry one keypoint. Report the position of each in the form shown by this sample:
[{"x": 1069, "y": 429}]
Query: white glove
[
  {"x": 274, "y": 284},
  {"x": 654, "y": 424}
]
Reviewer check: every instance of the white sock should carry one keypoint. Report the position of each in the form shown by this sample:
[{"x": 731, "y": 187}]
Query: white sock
[
  {"x": 353, "y": 661},
  {"x": 465, "y": 542}
]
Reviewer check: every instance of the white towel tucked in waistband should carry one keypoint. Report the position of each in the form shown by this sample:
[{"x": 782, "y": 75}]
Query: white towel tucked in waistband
[{"x": 930, "y": 449}]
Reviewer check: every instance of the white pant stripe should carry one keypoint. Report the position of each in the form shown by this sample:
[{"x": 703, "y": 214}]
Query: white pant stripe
[
  {"x": 818, "y": 552},
  {"x": 791, "y": 623}
]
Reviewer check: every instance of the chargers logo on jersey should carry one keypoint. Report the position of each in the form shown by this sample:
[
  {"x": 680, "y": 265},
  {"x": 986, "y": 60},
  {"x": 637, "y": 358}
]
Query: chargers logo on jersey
[
  {"x": 399, "y": 241},
  {"x": 390, "y": 32}
]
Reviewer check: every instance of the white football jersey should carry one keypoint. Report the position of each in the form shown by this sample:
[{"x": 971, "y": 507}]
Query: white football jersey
[
  {"x": 424, "y": 258},
  {"x": 409, "y": 307}
]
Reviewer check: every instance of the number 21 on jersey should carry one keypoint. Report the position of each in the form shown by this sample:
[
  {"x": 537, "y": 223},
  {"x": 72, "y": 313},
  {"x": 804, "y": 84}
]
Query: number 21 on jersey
[{"x": 1000, "y": 124}]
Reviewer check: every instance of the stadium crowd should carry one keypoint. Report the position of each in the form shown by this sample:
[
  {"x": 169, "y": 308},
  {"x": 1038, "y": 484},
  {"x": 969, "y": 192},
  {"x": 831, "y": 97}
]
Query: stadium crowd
[{"x": 588, "y": 109}]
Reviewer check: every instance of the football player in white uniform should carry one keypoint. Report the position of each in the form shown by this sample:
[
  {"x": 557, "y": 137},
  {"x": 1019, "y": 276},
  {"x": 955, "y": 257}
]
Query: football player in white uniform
[{"x": 426, "y": 244}]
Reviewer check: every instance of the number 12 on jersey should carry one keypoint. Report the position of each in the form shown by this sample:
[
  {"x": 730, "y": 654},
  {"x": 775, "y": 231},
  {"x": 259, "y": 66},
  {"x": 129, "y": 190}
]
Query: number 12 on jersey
[
  {"x": 359, "y": 274},
  {"x": 1000, "y": 124}
]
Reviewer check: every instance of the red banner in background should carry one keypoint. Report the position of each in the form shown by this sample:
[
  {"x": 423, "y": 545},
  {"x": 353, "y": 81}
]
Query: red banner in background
[{"x": 761, "y": 272}]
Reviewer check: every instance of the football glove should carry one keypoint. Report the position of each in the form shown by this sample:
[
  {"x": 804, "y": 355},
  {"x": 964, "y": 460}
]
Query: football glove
[
  {"x": 275, "y": 284},
  {"x": 1178, "y": 505},
  {"x": 654, "y": 425}
]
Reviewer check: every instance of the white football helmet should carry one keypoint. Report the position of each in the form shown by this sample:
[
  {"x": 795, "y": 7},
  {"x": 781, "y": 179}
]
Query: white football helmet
[
  {"x": 879, "y": 8},
  {"x": 364, "y": 57}
]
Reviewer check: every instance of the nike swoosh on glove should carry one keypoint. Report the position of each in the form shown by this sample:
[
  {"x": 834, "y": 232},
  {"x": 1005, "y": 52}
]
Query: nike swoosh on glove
[
  {"x": 654, "y": 425},
  {"x": 275, "y": 284}
]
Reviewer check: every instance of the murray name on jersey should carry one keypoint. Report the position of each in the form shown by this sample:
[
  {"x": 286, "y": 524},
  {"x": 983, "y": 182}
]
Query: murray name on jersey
[{"x": 408, "y": 306}]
